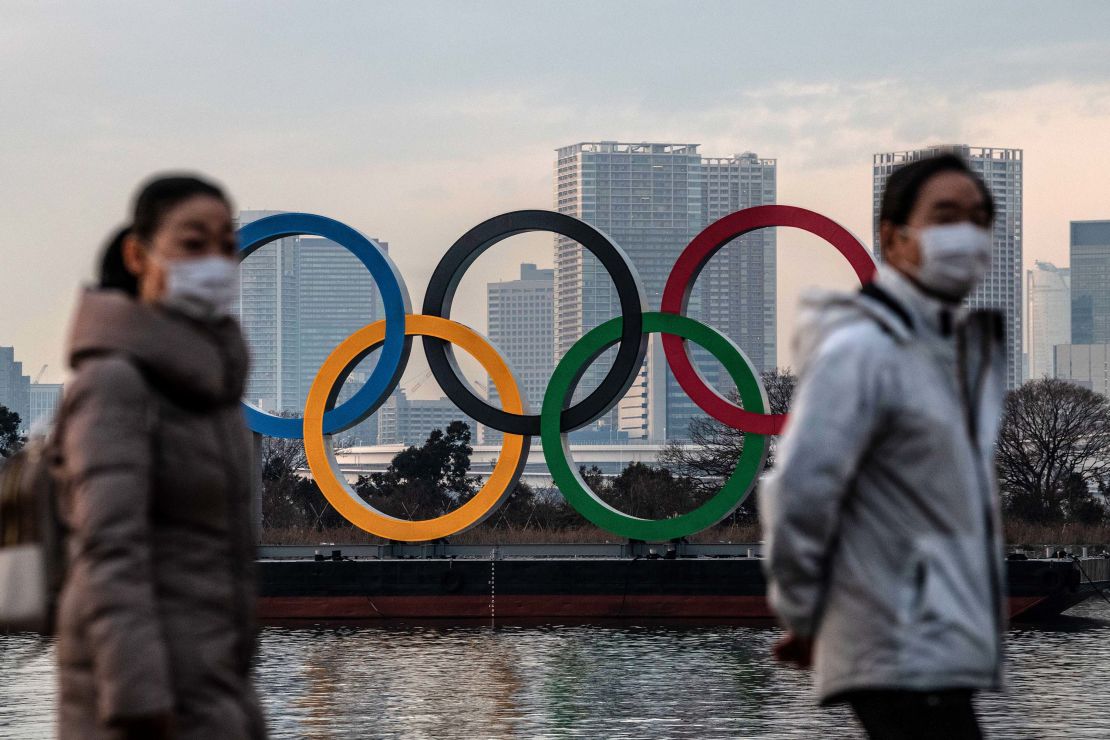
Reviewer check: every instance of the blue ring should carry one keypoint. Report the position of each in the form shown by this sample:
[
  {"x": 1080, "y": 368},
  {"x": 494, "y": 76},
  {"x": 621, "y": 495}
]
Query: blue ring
[{"x": 394, "y": 352}]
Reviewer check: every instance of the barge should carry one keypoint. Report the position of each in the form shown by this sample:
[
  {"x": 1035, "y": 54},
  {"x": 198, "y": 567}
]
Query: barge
[{"x": 629, "y": 582}]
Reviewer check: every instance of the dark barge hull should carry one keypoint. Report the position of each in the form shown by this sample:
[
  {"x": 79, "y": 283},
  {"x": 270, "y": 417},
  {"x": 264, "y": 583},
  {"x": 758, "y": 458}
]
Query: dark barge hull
[{"x": 710, "y": 589}]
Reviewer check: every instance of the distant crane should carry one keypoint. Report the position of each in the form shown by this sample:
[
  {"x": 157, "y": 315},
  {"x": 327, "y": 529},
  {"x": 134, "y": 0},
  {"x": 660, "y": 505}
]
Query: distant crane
[
  {"x": 39, "y": 376},
  {"x": 419, "y": 382},
  {"x": 427, "y": 374},
  {"x": 478, "y": 387}
]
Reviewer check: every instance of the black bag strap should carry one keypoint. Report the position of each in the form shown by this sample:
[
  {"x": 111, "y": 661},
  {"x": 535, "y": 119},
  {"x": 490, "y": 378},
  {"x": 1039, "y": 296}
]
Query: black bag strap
[{"x": 877, "y": 294}]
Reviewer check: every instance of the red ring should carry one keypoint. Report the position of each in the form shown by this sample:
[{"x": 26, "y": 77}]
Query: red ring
[{"x": 676, "y": 296}]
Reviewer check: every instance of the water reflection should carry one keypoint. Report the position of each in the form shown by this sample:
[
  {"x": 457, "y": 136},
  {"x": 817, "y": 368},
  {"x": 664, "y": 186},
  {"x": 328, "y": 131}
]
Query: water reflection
[
  {"x": 534, "y": 682},
  {"x": 589, "y": 682},
  {"x": 27, "y": 690}
]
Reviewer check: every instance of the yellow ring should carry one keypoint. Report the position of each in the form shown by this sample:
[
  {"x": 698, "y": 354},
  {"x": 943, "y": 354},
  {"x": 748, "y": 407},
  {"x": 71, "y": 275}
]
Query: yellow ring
[{"x": 321, "y": 455}]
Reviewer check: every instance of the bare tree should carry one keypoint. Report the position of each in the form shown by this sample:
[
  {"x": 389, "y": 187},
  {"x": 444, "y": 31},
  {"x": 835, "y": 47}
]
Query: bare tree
[
  {"x": 282, "y": 457},
  {"x": 1054, "y": 441},
  {"x": 713, "y": 448}
]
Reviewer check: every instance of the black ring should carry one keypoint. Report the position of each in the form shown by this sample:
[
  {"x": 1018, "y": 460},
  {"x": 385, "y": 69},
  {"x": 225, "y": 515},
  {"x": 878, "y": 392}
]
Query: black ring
[{"x": 633, "y": 342}]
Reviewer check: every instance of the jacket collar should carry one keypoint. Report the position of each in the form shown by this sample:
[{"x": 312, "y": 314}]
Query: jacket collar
[
  {"x": 928, "y": 315},
  {"x": 194, "y": 362}
]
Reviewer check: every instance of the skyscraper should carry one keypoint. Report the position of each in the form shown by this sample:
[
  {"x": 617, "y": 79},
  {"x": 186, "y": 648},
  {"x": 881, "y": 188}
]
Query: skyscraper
[
  {"x": 1001, "y": 170},
  {"x": 335, "y": 297},
  {"x": 1090, "y": 287},
  {"x": 739, "y": 290},
  {"x": 299, "y": 298},
  {"x": 652, "y": 199},
  {"x": 521, "y": 325},
  {"x": 45, "y": 399},
  {"x": 15, "y": 387},
  {"x": 1048, "y": 299},
  {"x": 267, "y": 311}
]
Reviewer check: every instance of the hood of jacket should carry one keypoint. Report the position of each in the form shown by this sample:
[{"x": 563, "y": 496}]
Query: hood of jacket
[
  {"x": 195, "y": 363},
  {"x": 906, "y": 312}
]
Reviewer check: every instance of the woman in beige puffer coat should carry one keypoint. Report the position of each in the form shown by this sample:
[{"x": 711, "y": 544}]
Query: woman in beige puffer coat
[{"x": 155, "y": 623}]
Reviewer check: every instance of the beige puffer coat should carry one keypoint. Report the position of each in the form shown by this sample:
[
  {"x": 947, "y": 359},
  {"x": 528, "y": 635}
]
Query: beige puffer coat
[{"x": 156, "y": 614}]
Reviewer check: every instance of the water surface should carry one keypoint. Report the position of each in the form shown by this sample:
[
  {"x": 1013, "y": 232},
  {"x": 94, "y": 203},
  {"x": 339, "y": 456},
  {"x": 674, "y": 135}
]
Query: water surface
[{"x": 590, "y": 682}]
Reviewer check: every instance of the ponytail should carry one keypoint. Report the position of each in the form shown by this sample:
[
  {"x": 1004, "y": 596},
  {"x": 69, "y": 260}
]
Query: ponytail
[{"x": 114, "y": 274}]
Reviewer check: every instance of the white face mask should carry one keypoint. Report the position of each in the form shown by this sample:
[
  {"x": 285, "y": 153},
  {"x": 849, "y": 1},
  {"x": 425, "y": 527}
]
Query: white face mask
[
  {"x": 954, "y": 257},
  {"x": 203, "y": 288}
]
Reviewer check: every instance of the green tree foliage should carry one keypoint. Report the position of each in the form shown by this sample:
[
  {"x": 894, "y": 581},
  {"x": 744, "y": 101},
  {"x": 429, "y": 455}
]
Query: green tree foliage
[
  {"x": 1054, "y": 452},
  {"x": 1080, "y": 504},
  {"x": 10, "y": 439},
  {"x": 427, "y": 481},
  {"x": 654, "y": 493},
  {"x": 644, "y": 491}
]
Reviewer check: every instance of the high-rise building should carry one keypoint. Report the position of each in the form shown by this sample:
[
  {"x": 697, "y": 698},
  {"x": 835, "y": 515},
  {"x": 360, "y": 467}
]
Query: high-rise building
[
  {"x": 1048, "y": 315},
  {"x": 521, "y": 323},
  {"x": 15, "y": 387},
  {"x": 299, "y": 298},
  {"x": 1087, "y": 365},
  {"x": 739, "y": 287},
  {"x": 45, "y": 400},
  {"x": 1090, "y": 287},
  {"x": 268, "y": 312},
  {"x": 409, "y": 421},
  {"x": 1001, "y": 170},
  {"x": 737, "y": 292},
  {"x": 652, "y": 199}
]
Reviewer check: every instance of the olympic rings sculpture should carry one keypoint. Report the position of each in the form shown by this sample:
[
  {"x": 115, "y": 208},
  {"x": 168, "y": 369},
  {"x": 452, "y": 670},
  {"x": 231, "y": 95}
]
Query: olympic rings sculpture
[{"x": 392, "y": 335}]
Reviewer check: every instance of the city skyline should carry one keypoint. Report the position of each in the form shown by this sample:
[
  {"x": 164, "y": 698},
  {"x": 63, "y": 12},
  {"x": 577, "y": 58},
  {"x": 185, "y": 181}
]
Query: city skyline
[
  {"x": 421, "y": 140},
  {"x": 334, "y": 256}
]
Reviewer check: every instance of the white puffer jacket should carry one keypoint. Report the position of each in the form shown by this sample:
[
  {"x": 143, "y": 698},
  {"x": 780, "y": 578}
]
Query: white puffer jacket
[{"x": 881, "y": 516}]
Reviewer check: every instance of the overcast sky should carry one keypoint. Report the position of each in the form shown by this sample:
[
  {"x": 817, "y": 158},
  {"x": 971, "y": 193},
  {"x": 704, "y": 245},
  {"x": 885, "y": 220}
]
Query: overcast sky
[{"x": 414, "y": 121}]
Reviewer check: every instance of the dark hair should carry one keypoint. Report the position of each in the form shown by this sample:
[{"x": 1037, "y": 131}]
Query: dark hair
[
  {"x": 905, "y": 183},
  {"x": 114, "y": 274},
  {"x": 156, "y": 198}
]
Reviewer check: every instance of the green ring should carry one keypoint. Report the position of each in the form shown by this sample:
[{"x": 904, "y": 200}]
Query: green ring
[{"x": 557, "y": 453}]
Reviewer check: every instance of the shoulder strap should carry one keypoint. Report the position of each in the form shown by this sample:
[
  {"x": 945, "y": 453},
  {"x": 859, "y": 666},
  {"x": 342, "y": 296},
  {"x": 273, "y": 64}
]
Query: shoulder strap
[{"x": 877, "y": 294}]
